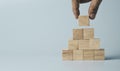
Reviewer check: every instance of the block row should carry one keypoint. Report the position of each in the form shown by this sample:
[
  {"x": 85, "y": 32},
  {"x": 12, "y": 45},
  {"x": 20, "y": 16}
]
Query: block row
[
  {"x": 83, "y": 54},
  {"x": 83, "y": 44},
  {"x": 83, "y": 33}
]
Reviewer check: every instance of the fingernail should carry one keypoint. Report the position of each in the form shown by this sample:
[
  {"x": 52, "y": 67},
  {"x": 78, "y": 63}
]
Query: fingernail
[{"x": 92, "y": 16}]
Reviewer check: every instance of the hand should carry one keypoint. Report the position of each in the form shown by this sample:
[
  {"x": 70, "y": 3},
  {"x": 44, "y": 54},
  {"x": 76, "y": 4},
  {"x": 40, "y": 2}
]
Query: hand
[{"x": 92, "y": 9}]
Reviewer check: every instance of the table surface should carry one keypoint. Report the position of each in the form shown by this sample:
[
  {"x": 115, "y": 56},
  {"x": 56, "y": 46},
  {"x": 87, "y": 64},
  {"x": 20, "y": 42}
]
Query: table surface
[{"x": 55, "y": 63}]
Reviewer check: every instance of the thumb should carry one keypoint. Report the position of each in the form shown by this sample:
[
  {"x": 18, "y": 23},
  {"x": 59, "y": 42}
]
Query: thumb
[
  {"x": 75, "y": 8},
  {"x": 94, "y": 8}
]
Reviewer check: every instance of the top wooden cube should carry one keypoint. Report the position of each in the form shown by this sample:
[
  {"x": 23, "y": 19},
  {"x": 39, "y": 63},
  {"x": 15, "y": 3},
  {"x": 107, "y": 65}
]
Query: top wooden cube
[{"x": 83, "y": 21}]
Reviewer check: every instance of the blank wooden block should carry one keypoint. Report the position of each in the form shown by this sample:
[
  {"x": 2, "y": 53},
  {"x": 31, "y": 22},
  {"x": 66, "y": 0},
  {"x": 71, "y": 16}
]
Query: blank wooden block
[
  {"x": 77, "y": 34},
  {"x": 94, "y": 43},
  {"x": 88, "y": 33},
  {"x": 78, "y": 54},
  {"x": 88, "y": 54},
  {"x": 99, "y": 54},
  {"x": 83, "y": 44},
  {"x": 67, "y": 54},
  {"x": 83, "y": 20},
  {"x": 73, "y": 44}
]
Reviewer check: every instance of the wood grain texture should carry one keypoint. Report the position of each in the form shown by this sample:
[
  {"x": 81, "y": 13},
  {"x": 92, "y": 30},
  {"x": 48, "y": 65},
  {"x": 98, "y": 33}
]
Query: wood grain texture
[
  {"x": 102, "y": 57},
  {"x": 83, "y": 44},
  {"x": 67, "y": 54},
  {"x": 83, "y": 21},
  {"x": 77, "y": 34},
  {"x": 99, "y": 52},
  {"x": 89, "y": 43},
  {"x": 73, "y": 44},
  {"x": 88, "y": 33},
  {"x": 94, "y": 43},
  {"x": 88, "y": 57},
  {"x": 78, "y": 54},
  {"x": 88, "y": 54}
]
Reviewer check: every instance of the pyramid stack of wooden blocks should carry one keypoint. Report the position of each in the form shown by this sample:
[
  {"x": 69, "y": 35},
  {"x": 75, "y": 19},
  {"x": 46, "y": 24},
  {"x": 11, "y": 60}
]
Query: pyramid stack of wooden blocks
[{"x": 83, "y": 45}]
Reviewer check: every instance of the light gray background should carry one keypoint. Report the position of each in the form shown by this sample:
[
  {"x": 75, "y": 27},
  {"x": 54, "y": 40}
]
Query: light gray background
[{"x": 34, "y": 32}]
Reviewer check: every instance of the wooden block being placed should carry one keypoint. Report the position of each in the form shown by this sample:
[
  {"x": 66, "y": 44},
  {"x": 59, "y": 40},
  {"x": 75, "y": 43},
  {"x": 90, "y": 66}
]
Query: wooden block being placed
[
  {"x": 88, "y": 33},
  {"x": 77, "y": 34},
  {"x": 67, "y": 54},
  {"x": 83, "y": 44},
  {"x": 83, "y": 20},
  {"x": 78, "y": 54},
  {"x": 94, "y": 43},
  {"x": 73, "y": 44}
]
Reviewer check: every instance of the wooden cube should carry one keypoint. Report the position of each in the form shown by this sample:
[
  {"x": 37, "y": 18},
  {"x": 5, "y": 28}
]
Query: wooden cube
[
  {"x": 77, "y": 34},
  {"x": 83, "y": 20},
  {"x": 73, "y": 44},
  {"x": 94, "y": 43},
  {"x": 88, "y": 33},
  {"x": 83, "y": 44},
  {"x": 78, "y": 54},
  {"x": 67, "y": 54},
  {"x": 88, "y": 54},
  {"x": 99, "y": 54}
]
